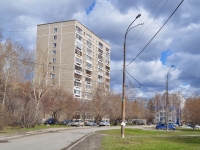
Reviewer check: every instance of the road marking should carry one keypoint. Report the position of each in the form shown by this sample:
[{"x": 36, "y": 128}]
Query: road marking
[{"x": 80, "y": 141}]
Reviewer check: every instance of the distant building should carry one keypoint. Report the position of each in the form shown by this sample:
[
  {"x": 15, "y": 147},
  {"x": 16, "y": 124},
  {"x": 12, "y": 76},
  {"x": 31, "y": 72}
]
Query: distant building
[
  {"x": 175, "y": 109},
  {"x": 71, "y": 57}
]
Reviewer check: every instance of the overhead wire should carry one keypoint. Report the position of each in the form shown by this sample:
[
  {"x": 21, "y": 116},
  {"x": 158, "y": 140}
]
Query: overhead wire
[
  {"x": 139, "y": 82},
  {"x": 144, "y": 19},
  {"x": 155, "y": 34},
  {"x": 149, "y": 24}
]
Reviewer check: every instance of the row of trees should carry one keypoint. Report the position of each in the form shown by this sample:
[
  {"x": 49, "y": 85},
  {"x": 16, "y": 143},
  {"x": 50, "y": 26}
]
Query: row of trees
[{"x": 25, "y": 102}]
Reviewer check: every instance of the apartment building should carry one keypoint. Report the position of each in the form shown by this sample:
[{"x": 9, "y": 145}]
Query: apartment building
[{"x": 71, "y": 57}]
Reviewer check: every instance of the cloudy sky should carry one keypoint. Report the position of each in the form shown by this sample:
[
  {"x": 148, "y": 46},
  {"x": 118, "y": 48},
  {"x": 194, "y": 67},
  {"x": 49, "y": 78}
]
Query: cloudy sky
[{"x": 177, "y": 43}]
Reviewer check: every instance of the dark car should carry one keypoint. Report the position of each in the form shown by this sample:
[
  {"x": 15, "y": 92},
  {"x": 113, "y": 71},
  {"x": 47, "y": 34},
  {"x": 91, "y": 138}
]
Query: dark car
[
  {"x": 51, "y": 121},
  {"x": 91, "y": 123},
  {"x": 66, "y": 122},
  {"x": 163, "y": 126}
]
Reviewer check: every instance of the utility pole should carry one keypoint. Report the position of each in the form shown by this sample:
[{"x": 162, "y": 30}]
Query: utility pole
[{"x": 124, "y": 75}]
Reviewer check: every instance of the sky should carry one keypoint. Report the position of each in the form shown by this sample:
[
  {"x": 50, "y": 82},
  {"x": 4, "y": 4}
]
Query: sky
[{"x": 151, "y": 48}]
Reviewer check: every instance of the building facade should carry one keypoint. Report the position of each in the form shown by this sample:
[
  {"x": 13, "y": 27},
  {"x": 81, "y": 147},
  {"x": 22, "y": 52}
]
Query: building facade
[{"x": 71, "y": 57}]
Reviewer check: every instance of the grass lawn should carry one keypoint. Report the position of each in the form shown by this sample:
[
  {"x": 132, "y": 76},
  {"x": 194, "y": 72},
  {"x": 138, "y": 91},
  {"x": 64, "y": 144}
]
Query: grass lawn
[
  {"x": 137, "y": 139},
  {"x": 14, "y": 130}
]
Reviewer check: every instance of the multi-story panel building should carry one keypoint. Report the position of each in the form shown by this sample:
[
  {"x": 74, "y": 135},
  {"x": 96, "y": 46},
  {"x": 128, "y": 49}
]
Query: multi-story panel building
[{"x": 71, "y": 57}]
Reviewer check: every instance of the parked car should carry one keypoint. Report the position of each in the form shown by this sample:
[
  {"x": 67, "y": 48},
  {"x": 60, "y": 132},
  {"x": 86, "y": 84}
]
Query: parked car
[
  {"x": 197, "y": 126},
  {"x": 104, "y": 123},
  {"x": 91, "y": 123},
  {"x": 51, "y": 121},
  {"x": 77, "y": 123},
  {"x": 164, "y": 126},
  {"x": 66, "y": 122},
  {"x": 185, "y": 126}
]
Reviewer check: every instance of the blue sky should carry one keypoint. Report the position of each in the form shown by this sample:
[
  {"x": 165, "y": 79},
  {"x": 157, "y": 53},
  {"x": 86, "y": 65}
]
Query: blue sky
[{"x": 89, "y": 9}]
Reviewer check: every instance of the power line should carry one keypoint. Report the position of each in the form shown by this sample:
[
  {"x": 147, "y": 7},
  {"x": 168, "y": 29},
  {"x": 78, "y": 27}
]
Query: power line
[
  {"x": 155, "y": 34},
  {"x": 149, "y": 12},
  {"x": 150, "y": 23}
]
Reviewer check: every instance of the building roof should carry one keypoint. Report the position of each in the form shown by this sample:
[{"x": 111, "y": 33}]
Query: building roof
[{"x": 77, "y": 21}]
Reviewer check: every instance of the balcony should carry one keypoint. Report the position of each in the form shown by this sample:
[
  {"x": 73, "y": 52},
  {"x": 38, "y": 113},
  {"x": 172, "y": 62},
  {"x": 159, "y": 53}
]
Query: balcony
[
  {"x": 100, "y": 45},
  {"x": 108, "y": 68},
  {"x": 88, "y": 79},
  {"x": 88, "y": 72},
  {"x": 100, "y": 57},
  {"x": 77, "y": 85},
  {"x": 89, "y": 68},
  {"x": 89, "y": 44},
  {"x": 107, "y": 50},
  {"x": 107, "y": 80},
  {"x": 100, "y": 51},
  {"x": 78, "y": 80},
  {"x": 108, "y": 74},
  {"x": 79, "y": 30},
  {"x": 78, "y": 51},
  {"x": 77, "y": 76}
]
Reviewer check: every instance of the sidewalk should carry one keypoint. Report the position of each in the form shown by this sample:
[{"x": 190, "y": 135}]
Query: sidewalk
[
  {"x": 91, "y": 142},
  {"x": 88, "y": 142},
  {"x": 4, "y": 138}
]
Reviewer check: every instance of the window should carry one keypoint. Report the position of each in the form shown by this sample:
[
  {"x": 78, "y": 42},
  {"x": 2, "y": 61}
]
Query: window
[
  {"x": 78, "y": 84},
  {"x": 55, "y": 29},
  {"x": 78, "y": 92},
  {"x": 88, "y": 58},
  {"x": 52, "y": 76},
  {"x": 54, "y": 60},
  {"x": 88, "y": 65},
  {"x": 89, "y": 44},
  {"x": 53, "y": 68},
  {"x": 78, "y": 51},
  {"x": 100, "y": 78},
  {"x": 88, "y": 86},
  {"x": 52, "y": 84},
  {"x": 78, "y": 68},
  {"x": 108, "y": 56},
  {"x": 54, "y": 44},
  {"x": 107, "y": 50},
  {"x": 107, "y": 73},
  {"x": 77, "y": 76},
  {"x": 55, "y": 37},
  {"x": 78, "y": 60},
  {"x": 100, "y": 51},
  {"x": 107, "y": 62},
  {"x": 79, "y": 30},
  {"x": 54, "y": 52},
  {"x": 79, "y": 45},
  {"x": 89, "y": 37},
  {"x": 100, "y": 64},
  {"x": 100, "y": 70},
  {"x": 78, "y": 37},
  {"x": 87, "y": 95},
  {"x": 100, "y": 45},
  {"x": 89, "y": 51},
  {"x": 87, "y": 79},
  {"x": 100, "y": 57},
  {"x": 88, "y": 72}
]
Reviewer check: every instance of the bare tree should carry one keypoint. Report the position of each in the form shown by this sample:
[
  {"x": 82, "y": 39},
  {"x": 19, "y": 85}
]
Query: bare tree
[{"x": 191, "y": 111}]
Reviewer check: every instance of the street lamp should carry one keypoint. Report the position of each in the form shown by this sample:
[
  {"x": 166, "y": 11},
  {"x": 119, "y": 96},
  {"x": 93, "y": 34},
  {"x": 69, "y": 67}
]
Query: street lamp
[
  {"x": 124, "y": 70},
  {"x": 167, "y": 97}
]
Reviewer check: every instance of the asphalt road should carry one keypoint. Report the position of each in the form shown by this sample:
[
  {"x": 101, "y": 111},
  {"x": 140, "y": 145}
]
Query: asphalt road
[{"x": 55, "y": 139}]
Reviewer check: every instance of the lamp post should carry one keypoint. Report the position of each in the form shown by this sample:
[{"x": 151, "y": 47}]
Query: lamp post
[
  {"x": 124, "y": 74},
  {"x": 167, "y": 96}
]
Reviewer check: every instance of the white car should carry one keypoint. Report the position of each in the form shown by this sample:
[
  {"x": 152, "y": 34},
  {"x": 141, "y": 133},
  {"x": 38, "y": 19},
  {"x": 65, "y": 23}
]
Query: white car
[
  {"x": 185, "y": 126},
  {"x": 197, "y": 126},
  {"x": 104, "y": 123}
]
